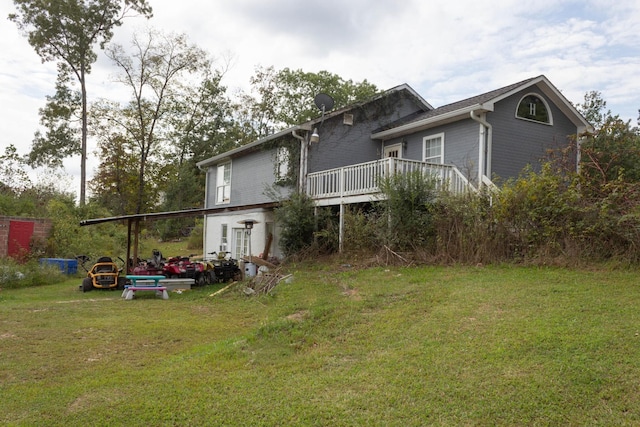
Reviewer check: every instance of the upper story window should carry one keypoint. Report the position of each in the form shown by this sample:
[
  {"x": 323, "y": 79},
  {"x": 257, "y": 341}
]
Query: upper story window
[
  {"x": 223, "y": 183},
  {"x": 433, "y": 148},
  {"x": 282, "y": 164},
  {"x": 534, "y": 108}
]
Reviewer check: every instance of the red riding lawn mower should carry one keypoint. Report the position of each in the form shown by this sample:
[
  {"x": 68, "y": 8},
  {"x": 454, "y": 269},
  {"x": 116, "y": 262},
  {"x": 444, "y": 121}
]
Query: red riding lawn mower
[
  {"x": 172, "y": 268},
  {"x": 154, "y": 266},
  {"x": 104, "y": 274},
  {"x": 183, "y": 267}
]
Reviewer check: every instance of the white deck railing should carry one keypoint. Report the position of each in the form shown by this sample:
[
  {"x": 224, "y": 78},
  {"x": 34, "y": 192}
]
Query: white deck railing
[{"x": 363, "y": 178}]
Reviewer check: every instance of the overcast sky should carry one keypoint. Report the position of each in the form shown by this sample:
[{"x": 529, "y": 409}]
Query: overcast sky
[{"x": 446, "y": 50}]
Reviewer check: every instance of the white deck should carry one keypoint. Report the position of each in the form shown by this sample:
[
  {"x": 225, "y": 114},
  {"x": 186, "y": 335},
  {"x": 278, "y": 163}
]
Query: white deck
[{"x": 359, "y": 183}]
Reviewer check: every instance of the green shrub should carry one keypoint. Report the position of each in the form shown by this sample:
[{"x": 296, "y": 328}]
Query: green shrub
[
  {"x": 466, "y": 230},
  {"x": 297, "y": 220},
  {"x": 362, "y": 229},
  {"x": 548, "y": 215},
  {"x": 68, "y": 239},
  {"x": 537, "y": 211},
  {"x": 408, "y": 205},
  {"x": 197, "y": 236},
  {"x": 14, "y": 275}
]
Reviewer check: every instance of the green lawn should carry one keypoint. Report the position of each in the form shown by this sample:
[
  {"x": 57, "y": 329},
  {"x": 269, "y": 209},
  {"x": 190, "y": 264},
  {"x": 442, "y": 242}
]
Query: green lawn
[{"x": 377, "y": 347}]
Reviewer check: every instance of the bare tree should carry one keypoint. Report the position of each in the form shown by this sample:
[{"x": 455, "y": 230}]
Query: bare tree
[{"x": 158, "y": 74}]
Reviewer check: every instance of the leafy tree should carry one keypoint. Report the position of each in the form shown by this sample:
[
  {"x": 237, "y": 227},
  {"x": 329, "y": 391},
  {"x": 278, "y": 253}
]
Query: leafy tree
[
  {"x": 158, "y": 74},
  {"x": 612, "y": 151},
  {"x": 114, "y": 183},
  {"x": 201, "y": 121},
  {"x": 66, "y": 31},
  {"x": 593, "y": 108},
  {"x": 13, "y": 177},
  {"x": 21, "y": 197},
  {"x": 201, "y": 128},
  {"x": 280, "y": 99},
  {"x": 60, "y": 117}
]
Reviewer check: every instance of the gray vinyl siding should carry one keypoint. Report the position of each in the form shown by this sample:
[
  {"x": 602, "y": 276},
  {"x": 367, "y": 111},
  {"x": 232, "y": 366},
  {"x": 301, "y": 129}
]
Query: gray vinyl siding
[
  {"x": 518, "y": 143},
  {"x": 460, "y": 145},
  {"x": 343, "y": 145},
  {"x": 250, "y": 176}
]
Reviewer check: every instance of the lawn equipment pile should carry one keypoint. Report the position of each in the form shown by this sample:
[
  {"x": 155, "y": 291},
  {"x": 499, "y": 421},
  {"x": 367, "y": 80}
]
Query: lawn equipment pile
[
  {"x": 106, "y": 274},
  {"x": 222, "y": 268},
  {"x": 219, "y": 269}
]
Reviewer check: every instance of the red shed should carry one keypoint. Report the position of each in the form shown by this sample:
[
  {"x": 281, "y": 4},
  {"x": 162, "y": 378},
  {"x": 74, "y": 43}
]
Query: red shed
[{"x": 17, "y": 235}]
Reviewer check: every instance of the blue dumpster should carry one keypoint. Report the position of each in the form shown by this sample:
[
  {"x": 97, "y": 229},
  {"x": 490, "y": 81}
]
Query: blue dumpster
[{"x": 66, "y": 266}]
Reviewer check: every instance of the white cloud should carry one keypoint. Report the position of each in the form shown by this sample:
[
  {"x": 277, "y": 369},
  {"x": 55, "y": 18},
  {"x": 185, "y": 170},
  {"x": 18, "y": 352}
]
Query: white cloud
[{"x": 446, "y": 50}]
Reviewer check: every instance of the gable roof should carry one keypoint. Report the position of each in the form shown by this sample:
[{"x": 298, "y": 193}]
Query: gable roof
[
  {"x": 307, "y": 126},
  {"x": 480, "y": 103}
]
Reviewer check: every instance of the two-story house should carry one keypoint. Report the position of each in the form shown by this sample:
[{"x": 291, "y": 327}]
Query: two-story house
[{"x": 339, "y": 157}]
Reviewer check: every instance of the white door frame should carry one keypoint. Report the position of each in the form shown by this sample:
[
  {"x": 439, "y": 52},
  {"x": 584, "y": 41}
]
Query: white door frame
[{"x": 388, "y": 149}]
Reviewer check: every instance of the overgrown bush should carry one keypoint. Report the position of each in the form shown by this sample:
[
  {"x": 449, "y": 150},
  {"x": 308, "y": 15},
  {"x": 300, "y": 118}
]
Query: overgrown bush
[
  {"x": 409, "y": 206},
  {"x": 14, "y": 275},
  {"x": 297, "y": 220},
  {"x": 326, "y": 235},
  {"x": 466, "y": 230},
  {"x": 549, "y": 216},
  {"x": 611, "y": 220},
  {"x": 538, "y": 213},
  {"x": 362, "y": 228},
  {"x": 197, "y": 236},
  {"x": 68, "y": 239}
]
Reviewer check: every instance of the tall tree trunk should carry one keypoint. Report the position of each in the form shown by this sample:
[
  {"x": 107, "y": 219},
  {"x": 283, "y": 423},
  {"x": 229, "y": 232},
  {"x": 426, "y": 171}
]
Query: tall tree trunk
[
  {"x": 83, "y": 146},
  {"x": 143, "y": 160}
]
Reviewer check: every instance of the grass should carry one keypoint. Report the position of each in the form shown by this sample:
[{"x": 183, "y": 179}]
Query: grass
[
  {"x": 337, "y": 346},
  {"x": 168, "y": 248}
]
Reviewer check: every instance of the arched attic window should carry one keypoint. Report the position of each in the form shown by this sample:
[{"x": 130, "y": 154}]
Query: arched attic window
[{"x": 535, "y": 108}]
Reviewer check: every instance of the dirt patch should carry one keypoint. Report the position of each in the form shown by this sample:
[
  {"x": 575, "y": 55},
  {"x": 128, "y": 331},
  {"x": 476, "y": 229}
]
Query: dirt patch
[
  {"x": 85, "y": 300},
  {"x": 353, "y": 294},
  {"x": 298, "y": 316}
]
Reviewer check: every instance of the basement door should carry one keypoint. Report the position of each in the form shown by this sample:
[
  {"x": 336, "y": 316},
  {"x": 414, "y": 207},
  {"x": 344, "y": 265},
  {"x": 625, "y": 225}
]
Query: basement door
[
  {"x": 20, "y": 233},
  {"x": 240, "y": 243}
]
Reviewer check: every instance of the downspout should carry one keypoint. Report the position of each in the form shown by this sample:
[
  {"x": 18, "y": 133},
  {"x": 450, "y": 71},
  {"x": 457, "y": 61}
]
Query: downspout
[
  {"x": 302, "y": 178},
  {"x": 206, "y": 205},
  {"x": 484, "y": 158},
  {"x": 581, "y": 136}
]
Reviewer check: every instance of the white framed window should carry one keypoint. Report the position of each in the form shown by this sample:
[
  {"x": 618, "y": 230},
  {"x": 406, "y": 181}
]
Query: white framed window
[
  {"x": 433, "y": 148},
  {"x": 240, "y": 243},
  {"x": 534, "y": 108},
  {"x": 224, "y": 238},
  {"x": 282, "y": 164},
  {"x": 223, "y": 183}
]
